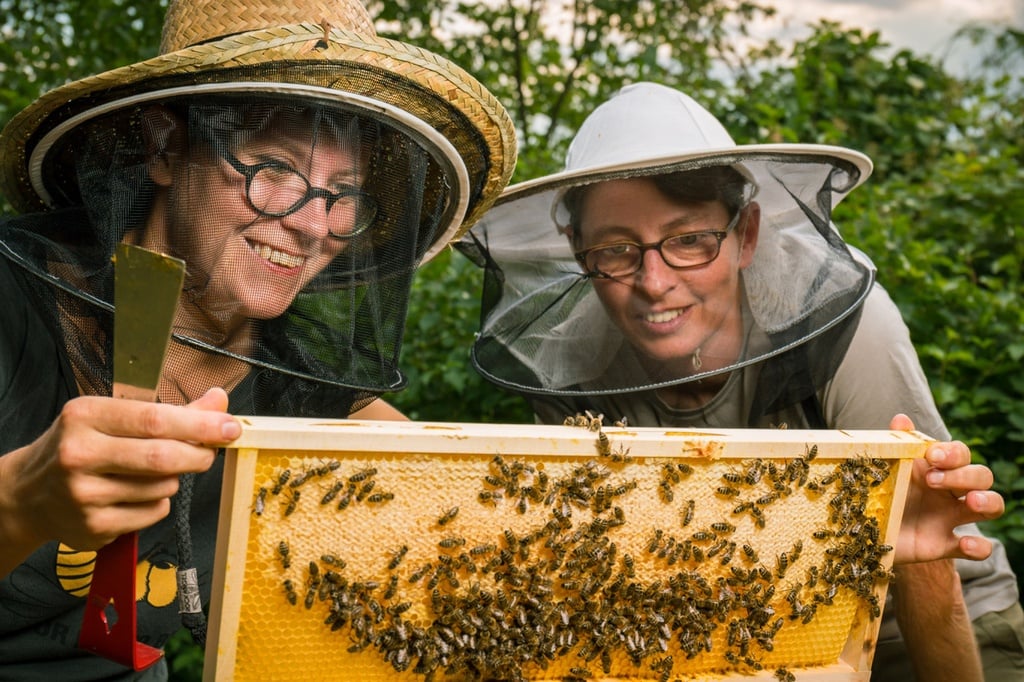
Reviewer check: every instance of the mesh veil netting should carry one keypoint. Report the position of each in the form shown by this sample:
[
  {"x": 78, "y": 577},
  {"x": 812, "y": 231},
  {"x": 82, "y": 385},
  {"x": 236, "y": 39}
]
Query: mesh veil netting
[
  {"x": 329, "y": 350},
  {"x": 546, "y": 332}
]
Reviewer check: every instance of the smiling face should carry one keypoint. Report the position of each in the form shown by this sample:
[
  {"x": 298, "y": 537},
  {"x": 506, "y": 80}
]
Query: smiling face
[
  {"x": 668, "y": 314},
  {"x": 250, "y": 265}
]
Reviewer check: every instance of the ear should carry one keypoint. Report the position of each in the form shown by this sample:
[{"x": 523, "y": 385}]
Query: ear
[
  {"x": 162, "y": 132},
  {"x": 750, "y": 226}
]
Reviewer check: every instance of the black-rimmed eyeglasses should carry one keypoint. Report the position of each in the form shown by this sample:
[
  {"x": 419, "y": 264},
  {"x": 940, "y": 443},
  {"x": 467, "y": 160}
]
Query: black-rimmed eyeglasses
[
  {"x": 275, "y": 190},
  {"x": 679, "y": 251}
]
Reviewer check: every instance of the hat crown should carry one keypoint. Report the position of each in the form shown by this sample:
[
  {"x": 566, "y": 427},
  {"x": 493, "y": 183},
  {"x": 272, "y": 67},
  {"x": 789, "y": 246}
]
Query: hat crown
[
  {"x": 645, "y": 121},
  {"x": 192, "y": 22}
]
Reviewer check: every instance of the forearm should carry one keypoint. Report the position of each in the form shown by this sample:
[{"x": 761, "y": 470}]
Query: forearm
[
  {"x": 936, "y": 627},
  {"x": 16, "y": 539}
]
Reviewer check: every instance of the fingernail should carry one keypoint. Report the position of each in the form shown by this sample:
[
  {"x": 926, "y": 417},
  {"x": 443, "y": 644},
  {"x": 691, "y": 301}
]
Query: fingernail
[
  {"x": 937, "y": 455},
  {"x": 231, "y": 430},
  {"x": 935, "y": 477}
]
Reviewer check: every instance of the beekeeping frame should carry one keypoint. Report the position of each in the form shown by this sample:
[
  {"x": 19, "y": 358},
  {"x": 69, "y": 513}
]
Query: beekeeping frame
[{"x": 383, "y": 550}]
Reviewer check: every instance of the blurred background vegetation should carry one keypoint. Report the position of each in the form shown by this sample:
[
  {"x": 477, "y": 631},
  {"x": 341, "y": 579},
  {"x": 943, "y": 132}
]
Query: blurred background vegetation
[{"x": 942, "y": 216}]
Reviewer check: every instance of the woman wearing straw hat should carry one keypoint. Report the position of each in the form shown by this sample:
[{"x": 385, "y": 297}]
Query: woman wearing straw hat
[
  {"x": 669, "y": 277},
  {"x": 302, "y": 168}
]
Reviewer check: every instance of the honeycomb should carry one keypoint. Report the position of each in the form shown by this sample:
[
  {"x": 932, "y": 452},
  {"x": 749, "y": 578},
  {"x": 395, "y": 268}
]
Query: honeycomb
[{"x": 597, "y": 561}]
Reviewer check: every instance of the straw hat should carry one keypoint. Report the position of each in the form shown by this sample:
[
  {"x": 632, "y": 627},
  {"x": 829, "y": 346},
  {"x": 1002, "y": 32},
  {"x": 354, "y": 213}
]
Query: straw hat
[{"x": 325, "y": 47}]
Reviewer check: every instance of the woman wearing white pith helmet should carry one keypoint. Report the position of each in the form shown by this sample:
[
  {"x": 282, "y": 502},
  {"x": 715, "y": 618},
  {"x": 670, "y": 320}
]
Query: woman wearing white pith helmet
[{"x": 673, "y": 278}]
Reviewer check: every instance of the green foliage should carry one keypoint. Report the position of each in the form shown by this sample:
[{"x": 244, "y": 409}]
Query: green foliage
[
  {"x": 46, "y": 44},
  {"x": 840, "y": 87},
  {"x": 435, "y": 353},
  {"x": 184, "y": 658},
  {"x": 550, "y": 63}
]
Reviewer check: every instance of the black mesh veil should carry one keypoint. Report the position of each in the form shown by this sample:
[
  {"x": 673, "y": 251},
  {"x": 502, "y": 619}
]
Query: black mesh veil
[
  {"x": 297, "y": 308},
  {"x": 552, "y": 326}
]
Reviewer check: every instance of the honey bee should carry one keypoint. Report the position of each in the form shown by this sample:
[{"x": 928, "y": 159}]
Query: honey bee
[
  {"x": 285, "y": 552},
  {"x": 727, "y": 555},
  {"x": 781, "y": 565},
  {"x": 784, "y": 675},
  {"x": 727, "y": 491},
  {"x": 812, "y": 576},
  {"x": 688, "y": 512},
  {"x": 447, "y": 516},
  {"x": 621, "y": 455},
  {"x": 652, "y": 547},
  {"x": 450, "y": 542},
  {"x": 361, "y": 476},
  {"x": 290, "y": 593},
  {"x": 604, "y": 446},
  {"x": 346, "y": 498},
  {"x": 365, "y": 489},
  {"x": 499, "y": 462},
  {"x": 397, "y": 557},
  {"x": 377, "y": 498},
  {"x": 418, "y": 574},
  {"x": 332, "y": 560},
  {"x": 327, "y": 467},
  {"x": 261, "y": 500},
  {"x": 281, "y": 480},
  {"x": 489, "y": 496},
  {"x": 301, "y": 478},
  {"x": 292, "y": 503},
  {"x": 332, "y": 493},
  {"x": 715, "y": 548}
]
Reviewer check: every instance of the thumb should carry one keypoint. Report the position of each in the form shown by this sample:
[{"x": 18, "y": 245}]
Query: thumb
[
  {"x": 215, "y": 399},
  {"x": 901, "y": 422}
]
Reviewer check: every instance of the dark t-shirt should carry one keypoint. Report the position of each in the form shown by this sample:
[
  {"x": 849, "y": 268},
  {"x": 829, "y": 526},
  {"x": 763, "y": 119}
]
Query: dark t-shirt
[{"x": 42, "y": 601}]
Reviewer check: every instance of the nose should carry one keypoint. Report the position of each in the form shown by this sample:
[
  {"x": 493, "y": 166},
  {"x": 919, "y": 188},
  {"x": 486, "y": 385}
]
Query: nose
[
  {"x": 655, "y": 278},
  {"x": 310, "y": 219}
]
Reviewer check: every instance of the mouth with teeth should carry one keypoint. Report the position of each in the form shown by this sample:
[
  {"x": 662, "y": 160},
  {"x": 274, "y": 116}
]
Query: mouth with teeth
[
  {"x": 663, "y": 316},
  {"x": 279, "y": 258}
]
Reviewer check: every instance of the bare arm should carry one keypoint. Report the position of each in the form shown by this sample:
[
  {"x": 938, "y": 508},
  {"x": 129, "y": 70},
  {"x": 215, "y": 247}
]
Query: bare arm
[
  {"x": 934, "y": 621},
  {"x": 379, "y": 410},
  {"x": 105, "y": 467}
]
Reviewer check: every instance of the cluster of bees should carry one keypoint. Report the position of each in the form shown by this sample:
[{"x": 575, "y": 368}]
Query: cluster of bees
[
  {"x": 288, "y": 489},
  {"x": 565, "y": 588}
]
